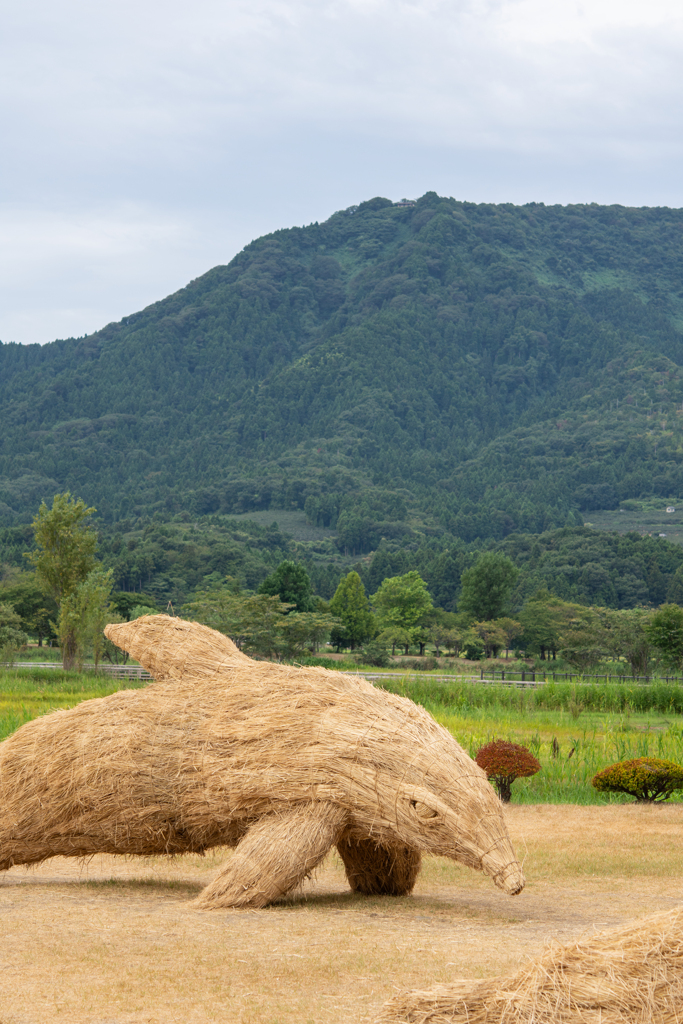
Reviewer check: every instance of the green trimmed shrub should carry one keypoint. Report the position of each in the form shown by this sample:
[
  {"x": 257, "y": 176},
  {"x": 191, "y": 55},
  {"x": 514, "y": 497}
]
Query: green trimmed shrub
[
  {"x": 504, "y": 762},
  {"x": 649, "y": 779},
  {"x": 374, "y": 653}
]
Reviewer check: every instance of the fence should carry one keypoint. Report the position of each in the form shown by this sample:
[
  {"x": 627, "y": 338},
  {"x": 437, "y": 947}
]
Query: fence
[
  {"x": 525, "y": 678},
  {"x": 116, "y": 671},
  {"x": 522, "y": 678},
  {"x": 526, "y": 675}
]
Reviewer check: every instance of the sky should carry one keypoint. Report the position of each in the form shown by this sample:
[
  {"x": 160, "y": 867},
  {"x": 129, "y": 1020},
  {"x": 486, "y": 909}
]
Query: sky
[{"x": 145, "y": 141}]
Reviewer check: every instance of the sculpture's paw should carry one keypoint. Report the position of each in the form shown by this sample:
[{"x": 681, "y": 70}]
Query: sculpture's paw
[
  {"x": 275, "y": 856},
  {"x": 376, "y": 870}
]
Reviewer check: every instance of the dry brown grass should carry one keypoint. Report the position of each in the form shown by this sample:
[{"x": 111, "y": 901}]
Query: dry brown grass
[
  {"x": 115, "y": 940},
  {"x": 627, "y": 975}
]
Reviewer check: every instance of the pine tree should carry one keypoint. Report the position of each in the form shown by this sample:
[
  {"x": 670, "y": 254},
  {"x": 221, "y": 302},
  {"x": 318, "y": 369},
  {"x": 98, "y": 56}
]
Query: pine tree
[{"x": 351, "y": 605}]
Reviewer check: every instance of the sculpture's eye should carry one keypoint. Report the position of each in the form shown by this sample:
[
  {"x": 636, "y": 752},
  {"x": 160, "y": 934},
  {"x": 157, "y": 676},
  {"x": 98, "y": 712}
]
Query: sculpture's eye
[{"x": 422, "y": 810}]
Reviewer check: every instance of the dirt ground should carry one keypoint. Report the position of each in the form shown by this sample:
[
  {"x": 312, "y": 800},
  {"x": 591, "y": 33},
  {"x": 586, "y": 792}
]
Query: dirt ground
[{"x": 117, "y": 941}]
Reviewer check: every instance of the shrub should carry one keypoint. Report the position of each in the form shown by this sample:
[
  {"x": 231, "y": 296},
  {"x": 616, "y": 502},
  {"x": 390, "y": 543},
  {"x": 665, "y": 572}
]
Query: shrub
[
  {"x": 420, "y": 665},
  {"x": 472, "y": 646},
  {"x": 649, "y": 779},
  {"x": 374, "y": 653},
  {"x": 504, "y": 762}
]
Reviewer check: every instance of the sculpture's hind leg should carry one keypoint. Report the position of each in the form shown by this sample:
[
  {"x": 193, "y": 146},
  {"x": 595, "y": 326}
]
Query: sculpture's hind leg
[
  {"x": 376, "y": 870},
  {"x": 277, "y": 853}
]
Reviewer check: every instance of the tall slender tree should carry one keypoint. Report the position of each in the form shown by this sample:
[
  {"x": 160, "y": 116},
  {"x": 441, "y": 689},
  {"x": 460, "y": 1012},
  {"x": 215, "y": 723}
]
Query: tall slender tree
[
  {"x": 351, "y": 605},
  {"x": 64, "y": 557},
  {"x": 487, "y": 586}
]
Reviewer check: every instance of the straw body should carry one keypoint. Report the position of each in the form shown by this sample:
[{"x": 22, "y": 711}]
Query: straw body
[
  {"x": 630, "y": 975},
  {"x": 281, "y": 762}
]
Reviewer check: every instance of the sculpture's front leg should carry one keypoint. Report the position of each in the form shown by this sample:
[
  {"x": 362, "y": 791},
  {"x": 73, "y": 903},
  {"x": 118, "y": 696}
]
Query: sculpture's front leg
[
  {"x": 275, "y": 855},
  {"x": 376, "y": 870}
]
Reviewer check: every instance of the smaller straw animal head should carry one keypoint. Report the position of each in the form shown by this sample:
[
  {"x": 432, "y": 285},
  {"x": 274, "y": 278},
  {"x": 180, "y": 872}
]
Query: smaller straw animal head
[
  {"x": 171, "y": 648},
  {"x": 453, "y": 813}
]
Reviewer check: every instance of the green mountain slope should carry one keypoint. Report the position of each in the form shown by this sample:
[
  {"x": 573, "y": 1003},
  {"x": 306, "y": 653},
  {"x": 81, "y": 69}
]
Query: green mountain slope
[{"x": 399, "y": 372}]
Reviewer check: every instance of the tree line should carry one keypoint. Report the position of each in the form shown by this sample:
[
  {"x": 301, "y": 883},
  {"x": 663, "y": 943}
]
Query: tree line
[{"x": 70, "y": 596}]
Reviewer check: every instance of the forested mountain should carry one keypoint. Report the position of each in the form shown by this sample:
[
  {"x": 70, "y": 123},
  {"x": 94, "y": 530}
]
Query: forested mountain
[{"x": 442, "y": 370}]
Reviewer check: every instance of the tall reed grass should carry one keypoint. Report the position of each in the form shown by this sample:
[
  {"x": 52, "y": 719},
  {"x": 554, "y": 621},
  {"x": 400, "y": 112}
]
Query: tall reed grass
[
  {"x": 573, "y": 730},
  {"x": 613, "y": 697}
]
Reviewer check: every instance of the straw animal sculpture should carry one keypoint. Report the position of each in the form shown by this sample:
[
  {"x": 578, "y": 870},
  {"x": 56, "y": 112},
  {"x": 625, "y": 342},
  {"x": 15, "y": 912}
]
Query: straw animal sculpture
[
  {"x": 282, "y": 763},
  {"x": 629, "y": 975}
]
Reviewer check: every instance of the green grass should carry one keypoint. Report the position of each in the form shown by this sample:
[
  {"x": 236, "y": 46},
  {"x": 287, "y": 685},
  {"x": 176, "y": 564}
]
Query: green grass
[
  {"x": 613, "y": 698},
  {"x": 650, "y": 518},
  {"x": 594, "y": 725},
  {"x": 26, "y": 693},
  {"x": 346, "y": 664},
  {"x": 39, "y": 654},
  {"x": 295, "y": 524}
]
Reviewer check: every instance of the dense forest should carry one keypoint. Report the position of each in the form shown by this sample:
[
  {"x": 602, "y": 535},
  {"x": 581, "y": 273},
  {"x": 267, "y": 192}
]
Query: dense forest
[
  {"x": 169, "y": 560},
  {"x": 493, "y": 368},
  {"x": 419, "y": 380}
]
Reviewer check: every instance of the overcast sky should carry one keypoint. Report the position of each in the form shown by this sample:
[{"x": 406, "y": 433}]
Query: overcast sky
[{"x": 145, "y": 141}]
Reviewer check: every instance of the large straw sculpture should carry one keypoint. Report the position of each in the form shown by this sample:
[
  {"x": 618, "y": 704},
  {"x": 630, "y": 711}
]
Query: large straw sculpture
[
  {"x": 282, "y": 763},
  {"x": 630, "y": 975}
]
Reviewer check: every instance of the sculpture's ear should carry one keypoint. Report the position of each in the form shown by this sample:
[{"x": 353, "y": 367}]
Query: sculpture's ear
[{"x": 172, "y": 648}]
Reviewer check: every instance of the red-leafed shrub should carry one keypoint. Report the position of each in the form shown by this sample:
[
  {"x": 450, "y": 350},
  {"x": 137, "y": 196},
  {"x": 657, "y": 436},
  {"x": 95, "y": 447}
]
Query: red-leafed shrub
[
  {"x": 504, "y": 762},
  {"x": 649, "y": 779}
]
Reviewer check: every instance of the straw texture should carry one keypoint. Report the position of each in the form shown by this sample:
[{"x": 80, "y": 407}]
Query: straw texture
[
  {"x": 282, "y": 763},
  {"x": 630, "y": 975},
  {"x": 376, "y": 870}
]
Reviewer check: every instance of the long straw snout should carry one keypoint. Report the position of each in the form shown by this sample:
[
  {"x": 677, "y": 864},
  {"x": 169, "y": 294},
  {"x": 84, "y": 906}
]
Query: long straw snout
[{"x": 511, "y": 879}]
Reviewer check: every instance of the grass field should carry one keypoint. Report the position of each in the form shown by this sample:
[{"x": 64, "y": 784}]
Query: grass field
[
  {"x": 27, "y": 693},
  {"x": 117, "y": 940},
  {"x": 294, "y": 523},
  {"x": 594, "y": 724},
  {"x": 650, "y": 518}
]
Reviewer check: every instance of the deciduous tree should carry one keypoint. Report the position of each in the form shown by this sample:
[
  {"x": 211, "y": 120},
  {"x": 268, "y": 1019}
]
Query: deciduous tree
[
  {"x": 401, "y": 602},
  {"x": 65, "y": 555},
  {"x": 12, "y": 635},
  {"x": 665, "y": 631},
  {"x": 292, "y": 584},
  {"x": 486, "y": 586},
  {"x": 83, "y": 615}
]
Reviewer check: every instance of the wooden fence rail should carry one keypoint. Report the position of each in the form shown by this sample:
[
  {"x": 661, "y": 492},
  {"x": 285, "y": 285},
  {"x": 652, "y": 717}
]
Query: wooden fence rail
[
  {"x": 523, "y": 678},
  {"x": 117, "y": 671}
]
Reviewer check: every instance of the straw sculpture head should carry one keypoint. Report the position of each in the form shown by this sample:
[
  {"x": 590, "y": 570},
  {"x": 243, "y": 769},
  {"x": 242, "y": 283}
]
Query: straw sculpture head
[
  {"x": 629, "y": 975},
  {"x": 282, "y": 763}
]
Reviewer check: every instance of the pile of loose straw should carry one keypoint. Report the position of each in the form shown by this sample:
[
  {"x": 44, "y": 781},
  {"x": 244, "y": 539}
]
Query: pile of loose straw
[{"x": 630, "y": 975}]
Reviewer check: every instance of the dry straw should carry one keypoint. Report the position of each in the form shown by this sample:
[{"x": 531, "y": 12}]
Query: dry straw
[
  {"x": 630, "y": 975},
  {"x": 282, "y": 763}
]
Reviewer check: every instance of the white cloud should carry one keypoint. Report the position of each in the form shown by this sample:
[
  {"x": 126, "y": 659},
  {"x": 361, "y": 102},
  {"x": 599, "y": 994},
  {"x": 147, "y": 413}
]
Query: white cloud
[{"x": 60, "y": 271}]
